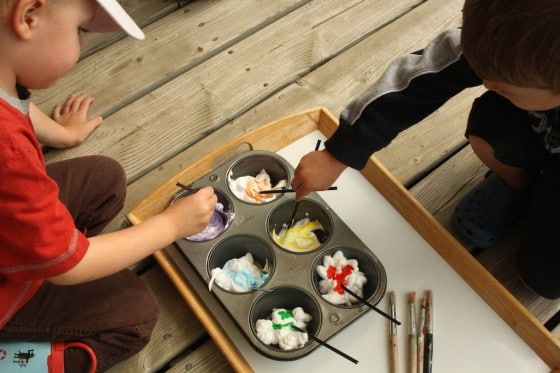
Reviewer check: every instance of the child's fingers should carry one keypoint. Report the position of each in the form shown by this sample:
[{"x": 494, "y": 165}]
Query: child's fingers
[
  {"x": 77, "y": 102},
  {"x": 81, "y": 102},
  {"x": 68, "y": 104},
  {"x": 85, "y": 102},
  {"x": 301, "y": 192},
  {"x": 56, "y": 111},
  {"x": 94, "y": 122},
  {"x": 207, "y": 193}
]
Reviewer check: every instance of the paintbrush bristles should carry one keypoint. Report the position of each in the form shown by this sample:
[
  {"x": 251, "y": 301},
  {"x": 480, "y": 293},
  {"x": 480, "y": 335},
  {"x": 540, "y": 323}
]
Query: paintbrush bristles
[
  {"x": 392, "y": 297},
  {"x": 412, "y": 297}
]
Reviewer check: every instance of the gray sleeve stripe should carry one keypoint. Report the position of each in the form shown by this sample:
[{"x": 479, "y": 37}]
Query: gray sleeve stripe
[{"x": 442, "y": 51}]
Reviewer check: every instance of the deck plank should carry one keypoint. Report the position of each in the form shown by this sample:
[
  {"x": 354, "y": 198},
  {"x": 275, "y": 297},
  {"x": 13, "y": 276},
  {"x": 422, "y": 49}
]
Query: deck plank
[
  {"x": 441, "y": 190},
  {"x": 204, "y": 359},
  {"x": 176, "y": 330}
]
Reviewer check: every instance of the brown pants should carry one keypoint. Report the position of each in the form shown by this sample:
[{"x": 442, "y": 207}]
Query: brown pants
[{"x": 114, "y": 315}]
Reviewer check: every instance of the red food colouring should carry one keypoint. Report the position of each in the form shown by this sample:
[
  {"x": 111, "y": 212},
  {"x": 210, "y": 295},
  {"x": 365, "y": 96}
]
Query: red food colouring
[{"x": 339, "y": 277}]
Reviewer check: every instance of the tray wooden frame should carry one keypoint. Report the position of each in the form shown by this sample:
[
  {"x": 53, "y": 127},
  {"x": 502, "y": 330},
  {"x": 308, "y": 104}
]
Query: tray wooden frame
[{"x": 278, "y": 134}]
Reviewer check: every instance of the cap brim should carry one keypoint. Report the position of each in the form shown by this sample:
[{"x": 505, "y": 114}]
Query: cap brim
[{"x": 112, "y": 17}]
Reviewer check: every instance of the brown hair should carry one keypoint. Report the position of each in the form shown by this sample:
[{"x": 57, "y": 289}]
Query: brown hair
[{"x": 513, "y": 41}]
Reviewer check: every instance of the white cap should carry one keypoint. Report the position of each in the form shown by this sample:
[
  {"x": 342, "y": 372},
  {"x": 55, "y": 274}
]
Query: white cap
[{"x": 111, "y": 16}]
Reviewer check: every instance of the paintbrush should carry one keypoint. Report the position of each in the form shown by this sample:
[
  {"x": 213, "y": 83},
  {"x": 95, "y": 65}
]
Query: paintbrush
[
  {"x": 366, "y": 303},
  {"x": 325, "y": 344},
  {"x": 412, "y": 334},
  {"x": 293, "y": 217},
  {"x": 421, "y": 333},
  {"x": 393, "y": 345},
  {"x": 280, "y": 191},
  {"x": 429, "y": 337}
]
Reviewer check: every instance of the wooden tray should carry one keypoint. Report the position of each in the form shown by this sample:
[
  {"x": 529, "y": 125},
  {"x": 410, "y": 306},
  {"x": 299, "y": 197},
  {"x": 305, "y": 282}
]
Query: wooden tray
[{"x": 277, "y": 135}]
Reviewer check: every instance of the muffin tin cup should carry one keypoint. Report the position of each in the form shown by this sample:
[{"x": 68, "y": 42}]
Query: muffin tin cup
[
  {"x": 275, "y": 167},
  {"x": 236, "y": 247},
  {"x": 288, "y": 298},
  {"x": 292, "y": 280},
  {"x": 372, "y": 290},
  {"x": 280, "y": 215},
  {"x": 222, "y": 198}
]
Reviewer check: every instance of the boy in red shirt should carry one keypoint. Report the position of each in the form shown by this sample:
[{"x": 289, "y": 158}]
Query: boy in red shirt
[{"x": 58, "y": 280}]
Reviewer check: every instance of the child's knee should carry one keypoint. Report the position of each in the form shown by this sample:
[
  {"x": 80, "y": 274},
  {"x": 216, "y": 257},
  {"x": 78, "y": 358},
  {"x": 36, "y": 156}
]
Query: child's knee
[{"x": 112, "y": 172}]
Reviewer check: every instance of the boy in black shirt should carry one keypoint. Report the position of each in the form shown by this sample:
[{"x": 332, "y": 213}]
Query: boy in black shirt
[{"x": 513, "y": 49}]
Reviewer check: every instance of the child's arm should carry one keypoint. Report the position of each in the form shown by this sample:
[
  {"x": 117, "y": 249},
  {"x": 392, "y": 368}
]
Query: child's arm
[
  {"x": 411, "y": 88},
  {"x": 69, "y": 125},
  {"x": 112, "y": 252}
]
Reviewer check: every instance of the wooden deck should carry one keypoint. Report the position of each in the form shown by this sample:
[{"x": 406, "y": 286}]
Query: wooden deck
[{"x": 209, "y": 71}]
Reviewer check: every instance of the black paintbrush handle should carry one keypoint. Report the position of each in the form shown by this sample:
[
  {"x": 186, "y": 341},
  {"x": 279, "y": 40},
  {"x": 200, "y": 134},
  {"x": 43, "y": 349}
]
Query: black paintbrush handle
[
  {"x": 366, "y": 303},
  {"x": 187, "y": 187},
  {"x": 428, "y": 352},
  {"x": 323, "y": 343},
  {"x": 280, "y": 191}
]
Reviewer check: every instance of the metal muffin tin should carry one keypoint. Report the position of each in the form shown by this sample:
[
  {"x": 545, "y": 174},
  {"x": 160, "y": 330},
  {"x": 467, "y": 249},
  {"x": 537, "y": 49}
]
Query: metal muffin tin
[{"x": 292, "y": 276}]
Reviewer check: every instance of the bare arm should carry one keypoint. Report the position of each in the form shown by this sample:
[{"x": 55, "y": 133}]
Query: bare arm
[
  {"x": 112, "y": 252},
  {"x": 69, "y": 125}
]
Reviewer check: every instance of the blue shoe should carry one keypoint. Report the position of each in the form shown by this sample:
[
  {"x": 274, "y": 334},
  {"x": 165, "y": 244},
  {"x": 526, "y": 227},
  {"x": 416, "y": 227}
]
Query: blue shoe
[{"x": 488, "y": 210}]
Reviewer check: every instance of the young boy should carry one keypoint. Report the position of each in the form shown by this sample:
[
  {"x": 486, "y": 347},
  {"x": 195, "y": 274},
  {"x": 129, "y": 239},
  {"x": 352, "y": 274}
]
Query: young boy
[
  {"x": 513, "y": 49},
  {"x": 58, "y": 280}
]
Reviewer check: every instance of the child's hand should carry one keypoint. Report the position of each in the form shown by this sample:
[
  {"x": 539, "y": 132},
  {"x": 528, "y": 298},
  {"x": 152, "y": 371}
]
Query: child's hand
[
  {"x": 68, "y": 126},
  {"x": 73, "y": 117},
  {"x": 191, "y": 214},
  {"x": 316, "y": 171}
]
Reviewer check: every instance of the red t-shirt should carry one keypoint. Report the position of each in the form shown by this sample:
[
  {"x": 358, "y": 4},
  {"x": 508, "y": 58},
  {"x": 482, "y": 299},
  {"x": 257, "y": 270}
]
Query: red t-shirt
[{"x": 38, "y": 238}]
